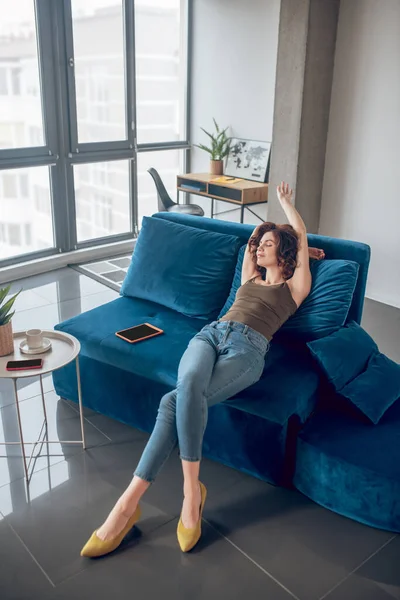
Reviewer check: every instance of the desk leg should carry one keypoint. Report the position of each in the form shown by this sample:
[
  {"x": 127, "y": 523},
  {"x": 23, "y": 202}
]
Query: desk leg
[
  {"x": 21, "y": 437},
  {"x": 241, "y": 213},
  {"x": 212, "y": 208},
  {"x": 78, "y": 380}
]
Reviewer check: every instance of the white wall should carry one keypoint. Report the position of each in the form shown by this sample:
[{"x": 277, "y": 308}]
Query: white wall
[
  {"x": 361, "y": 192},
  {"x": 235, "y": 46}
]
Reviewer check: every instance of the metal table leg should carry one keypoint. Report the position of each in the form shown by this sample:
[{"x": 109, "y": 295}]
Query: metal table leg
[
  {"x": 43, "y": 403},
  {"x": 78, "y": 379},
  {"x": 21, "y": 437}
]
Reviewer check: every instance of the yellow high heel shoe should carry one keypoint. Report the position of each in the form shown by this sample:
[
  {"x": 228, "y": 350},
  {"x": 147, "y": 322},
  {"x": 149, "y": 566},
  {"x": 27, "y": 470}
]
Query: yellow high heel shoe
[
  {"x": 96, "y": 547},
  {"x": 188, "y": 538}
]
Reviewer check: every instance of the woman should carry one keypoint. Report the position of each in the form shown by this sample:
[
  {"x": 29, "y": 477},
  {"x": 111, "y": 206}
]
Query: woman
[{"x": 225, "y": 357}]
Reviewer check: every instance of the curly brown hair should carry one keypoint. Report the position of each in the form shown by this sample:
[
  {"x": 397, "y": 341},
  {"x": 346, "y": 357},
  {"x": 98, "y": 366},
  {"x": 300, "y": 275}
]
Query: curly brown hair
[{"x": 286, "y": 249}]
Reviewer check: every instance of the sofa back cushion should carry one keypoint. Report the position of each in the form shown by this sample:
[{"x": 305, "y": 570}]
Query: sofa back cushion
[
  {"x": 326, "y": 307},
  {"x": 334, "y": 249},
  {"x": 184, "y": 268}
]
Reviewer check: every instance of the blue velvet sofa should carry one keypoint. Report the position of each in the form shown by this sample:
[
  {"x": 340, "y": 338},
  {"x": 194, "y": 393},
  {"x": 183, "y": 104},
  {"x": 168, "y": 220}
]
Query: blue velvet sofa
[{"x": 258, "y": 431}]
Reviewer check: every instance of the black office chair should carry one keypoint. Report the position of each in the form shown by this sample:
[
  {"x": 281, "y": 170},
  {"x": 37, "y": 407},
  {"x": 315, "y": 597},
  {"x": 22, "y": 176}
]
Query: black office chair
[{"x": 165, "y": 203}]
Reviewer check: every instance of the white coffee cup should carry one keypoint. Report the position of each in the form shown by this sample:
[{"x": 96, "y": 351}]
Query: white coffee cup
[{"x": 34, "y": 338}]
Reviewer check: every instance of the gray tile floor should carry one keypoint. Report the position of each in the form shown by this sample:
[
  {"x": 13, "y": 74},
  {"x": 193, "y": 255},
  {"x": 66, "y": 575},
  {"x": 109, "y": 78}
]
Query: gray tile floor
[{"x": 258, "y": 541}]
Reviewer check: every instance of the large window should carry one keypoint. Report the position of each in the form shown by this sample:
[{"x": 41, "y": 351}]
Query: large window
[{"x": 92, "y": 94}]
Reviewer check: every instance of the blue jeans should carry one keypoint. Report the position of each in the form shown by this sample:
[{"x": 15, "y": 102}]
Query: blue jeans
[{"x": 224, "y": 358}]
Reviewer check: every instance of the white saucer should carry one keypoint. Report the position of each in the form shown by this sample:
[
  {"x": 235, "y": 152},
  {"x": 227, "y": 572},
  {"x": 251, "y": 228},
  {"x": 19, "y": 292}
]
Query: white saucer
[{"x": 26, "y": 350}]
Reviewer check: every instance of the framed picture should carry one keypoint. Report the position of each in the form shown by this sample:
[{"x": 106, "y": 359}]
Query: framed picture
[{"x": 248, "y": 159}]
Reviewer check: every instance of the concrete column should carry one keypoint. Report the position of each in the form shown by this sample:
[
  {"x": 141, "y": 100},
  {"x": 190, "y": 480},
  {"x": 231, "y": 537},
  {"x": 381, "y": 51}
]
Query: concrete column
[{"x": 306, "y": 50}]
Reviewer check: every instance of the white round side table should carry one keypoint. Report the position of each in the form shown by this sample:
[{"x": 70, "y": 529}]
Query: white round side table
[{"x": 65, "y": 348}]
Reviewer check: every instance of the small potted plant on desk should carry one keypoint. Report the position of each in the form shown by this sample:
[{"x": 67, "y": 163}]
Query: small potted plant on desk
[
  {"x": 218, "y": 149},
  {"x": 6, "y": 332}
]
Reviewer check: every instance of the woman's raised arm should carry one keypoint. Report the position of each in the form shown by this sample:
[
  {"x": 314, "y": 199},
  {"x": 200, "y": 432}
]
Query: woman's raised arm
[{"x": 300, "y": 283}]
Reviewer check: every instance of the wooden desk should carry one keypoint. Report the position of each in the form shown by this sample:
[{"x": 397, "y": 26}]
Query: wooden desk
[{"x": 243, "y": 193}]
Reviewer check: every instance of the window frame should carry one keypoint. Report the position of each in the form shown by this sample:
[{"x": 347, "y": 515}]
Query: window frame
[{"x": 61, "y": 150}]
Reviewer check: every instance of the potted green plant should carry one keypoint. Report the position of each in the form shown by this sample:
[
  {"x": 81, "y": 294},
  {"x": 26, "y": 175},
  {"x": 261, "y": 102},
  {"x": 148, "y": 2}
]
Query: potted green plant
[
  {"x": 6, "y": 333},
  {"x": 218, "y": 149}
]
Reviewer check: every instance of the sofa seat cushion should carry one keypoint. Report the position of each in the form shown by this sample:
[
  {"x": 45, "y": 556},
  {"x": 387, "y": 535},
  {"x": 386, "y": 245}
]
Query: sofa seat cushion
[
  {"x": 157, "y": 358},
  {"x": 288, "y": 386},
  {"x": 352, "y": 467}
]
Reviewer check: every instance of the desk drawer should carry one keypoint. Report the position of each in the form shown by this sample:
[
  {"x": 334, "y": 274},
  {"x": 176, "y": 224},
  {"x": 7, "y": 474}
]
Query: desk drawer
[
  {"x": 224, "y": 192},
  {"x": 192, "y": 185}
]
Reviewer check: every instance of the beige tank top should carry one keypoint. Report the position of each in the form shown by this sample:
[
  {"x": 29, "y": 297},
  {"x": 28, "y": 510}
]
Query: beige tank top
[{"x": 262, "y": 307}]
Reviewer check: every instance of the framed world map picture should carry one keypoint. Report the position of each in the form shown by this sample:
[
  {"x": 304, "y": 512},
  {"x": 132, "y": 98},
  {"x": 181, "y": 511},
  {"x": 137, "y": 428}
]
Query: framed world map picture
[{"x": 248, "y": 159}]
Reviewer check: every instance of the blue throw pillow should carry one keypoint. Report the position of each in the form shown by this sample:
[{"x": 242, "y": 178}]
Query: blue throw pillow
[
  {"x": 181, "y": 267},
  {"x": 326, "y": 307},
  {"x": 344, "y": 354},
  {"x": 376, "y": 389},
  {"x": 236, "y": 283}
]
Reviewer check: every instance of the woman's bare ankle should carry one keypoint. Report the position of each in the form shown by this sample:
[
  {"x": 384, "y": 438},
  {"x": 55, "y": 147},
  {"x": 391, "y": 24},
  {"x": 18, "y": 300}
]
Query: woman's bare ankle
[
  {"x": 191, "y": 490},
  {"x": 116, "y": 520},
  {"x": 123, "y": 509},
  {"x": 126, "y": 506}
]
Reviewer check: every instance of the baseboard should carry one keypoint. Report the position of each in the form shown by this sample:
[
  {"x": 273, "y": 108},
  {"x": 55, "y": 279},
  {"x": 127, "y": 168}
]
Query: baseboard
[{"x": 383, "y": 300}]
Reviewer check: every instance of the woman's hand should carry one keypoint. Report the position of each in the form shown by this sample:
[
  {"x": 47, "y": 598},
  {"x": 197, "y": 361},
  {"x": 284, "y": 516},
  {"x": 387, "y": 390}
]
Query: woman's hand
[
  {"x": 284, "y": 193},
  {"x": 316, "y": 253}
]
